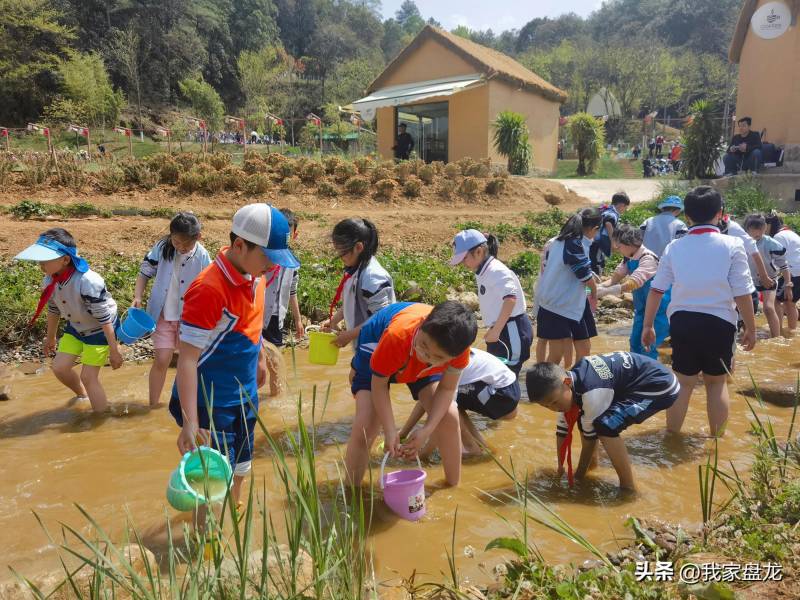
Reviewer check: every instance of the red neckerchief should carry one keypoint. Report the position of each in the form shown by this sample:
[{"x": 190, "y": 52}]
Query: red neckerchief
[
  {"x": 701, "y": 230},
  {"x": 273, "y": 274},
  {"x": 338, "y": 295},
  {"x": 571, "y": 416},
  {"x": 61, "y": 277}
]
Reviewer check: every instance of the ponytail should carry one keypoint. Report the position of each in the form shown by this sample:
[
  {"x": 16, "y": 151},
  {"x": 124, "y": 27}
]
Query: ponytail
[
  {"x": 349, "y": 232},
  {"x": 587, "y": 218},
  {"x": 185, "y": 224},
  {"x": 775, "y": 223},
  {"x": 492, "y": 245}
]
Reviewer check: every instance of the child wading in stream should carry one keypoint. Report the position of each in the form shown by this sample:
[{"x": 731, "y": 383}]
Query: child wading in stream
[
  {"x": 502, "y": 301},
  {"x": 603, "y": 394},
  {"x": 173, "y": 263},
  {"x": 79, "y": 295},
  {"x": 773, "y": 254},
  {"x": 786, "y": 304}
]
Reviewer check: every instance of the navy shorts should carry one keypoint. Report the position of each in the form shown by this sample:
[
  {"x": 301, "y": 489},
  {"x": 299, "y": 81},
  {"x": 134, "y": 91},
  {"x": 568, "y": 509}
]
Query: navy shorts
[
  {"x": 363, "y": 381},
  {"x": 233, "y": 430},
  {"x": 478, "y": 398},
  {"x": 795, "y": 287},
  {"x": 272, "y": 332},
  {"x": 552, "y": 326},
  {"x": 516, "y": 338},
  {"x": 701, "y": 343},
  {"x": 635, "y": 409}
]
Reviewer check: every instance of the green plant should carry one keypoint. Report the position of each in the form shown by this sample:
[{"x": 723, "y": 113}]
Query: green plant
[
  {"x": 214, "y": 182},
  {"x": 495, "y": 186},
  {"x": 256, "y": 184},
  {"x": 426, "y": 173},
  {"x": 191, "y": 181},
  {"x": 166, "y": 167},
  {"x": 412, "y": 187},
  {"x": 385, "y": 188},
  {"x": 364, "y": 164},
  {"x": 525, "y": 264},
  {"x": 381, "y": 173},
  {"x": 35, "y": 169},
  {"x": 29, "y": 209},
  {"x": 452, "y": 171},
  {"x": 291, "y": 185},
  {"x": 344, "y": 171},
  {"x": 511, "y": 139},
  {"x": 71, "y": 173},
  {"x": 234, "y": 177},
  {"x": 468, "y": 187},
  {"x": 588, "y": 136},
  {"x": 327, "y": 188},
  {"x": 312, "y": 172},
  {"x": 110, "y": 179},
  {"x": 6, "y": 167},
  {"x": 701, "y": 141},
  {"x": 446, "y": 188},
  {"x": 285, "y": 169},
  {"x": 219, "y": 160},
  {"x": 745, "y": 195},
  {"x": 358, "y": 185},
  {"x": 331, "y": 163}
]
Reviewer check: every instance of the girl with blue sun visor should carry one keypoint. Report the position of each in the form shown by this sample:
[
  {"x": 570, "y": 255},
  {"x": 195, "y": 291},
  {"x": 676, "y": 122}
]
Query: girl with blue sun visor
[{"x": 73, "y": 291}]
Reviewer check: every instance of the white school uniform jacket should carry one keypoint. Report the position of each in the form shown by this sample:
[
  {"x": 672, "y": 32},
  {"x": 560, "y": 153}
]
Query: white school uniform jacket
[
  {"x": 495, "y": 283},
  {"x": 791, "y": 241},
  {"x": 84, "y": 301},
  {"x": 277, "y": 295},
  {"x": 706, "y": 270},
  {"x": 368, "y": 290},
  {"x": 660, "y": 230},
  {"x": 737, "y": 231},
  {"x": 488, "y": 369}
]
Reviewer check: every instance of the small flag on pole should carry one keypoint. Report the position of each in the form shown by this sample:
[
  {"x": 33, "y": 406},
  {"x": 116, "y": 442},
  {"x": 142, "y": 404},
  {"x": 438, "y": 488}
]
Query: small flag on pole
[
  {"x": 162, "y": 131},
  {"x": 3, "y": 132},
  {"x": 123, "y": 130}
]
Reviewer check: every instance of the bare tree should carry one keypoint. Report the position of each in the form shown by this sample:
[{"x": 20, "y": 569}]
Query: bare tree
[{"x": 126, "y": 52}]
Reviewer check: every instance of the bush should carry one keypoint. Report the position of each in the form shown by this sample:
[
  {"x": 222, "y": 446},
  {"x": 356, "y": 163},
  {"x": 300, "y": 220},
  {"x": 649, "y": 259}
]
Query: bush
[
  {"x": 588, "y": 136},
  {"x": 274, "y": 159},
  {"x": 452, "y": 171},
  {"x": 285, "y": 169},
  {"x": 138, "y": 172},
  {"x": 482, "y": 170},
  {"x": 254, "y": 164},
  {"x": 357, "y": 185},
  {"x": 35, "y": 169},
  {"x": 511, "y": 139},
  {"x": 385, "y": 188},
  {"x": 446, "y": 188},
  {"x": 381, "y": 173},
  {"x": 364, "y": 164},
  {"x": 331, "y": 163},
  {"x": 166, "y": 167},
  {"x": 412, "y": 187},
  {"x": 214, "y": 182},
  {"x": 426, "y": 173},
  {"x": 701, "y": 140},
  {"x": 402, "y": 171},
  {"x": 465, "y": 164},
  {"x": 312, "y": 172},
  {"x": 438, "y": 167},
  {"x": 525, "y": 264},
  {"x": 344, "y": 171},
  {"x": 110, "y": 179},
  {"x": 256, "y": 184},
  {"x": 70, "y": 173},
  {"x": 219, "y": 160},
  {"x": 327, "y": 188},
  {"x": 745, "y": 195},
  {"x": 495, "y": 186},
  {"x": 6, "y": 166},
  {"x": 469, "y": 187},
  {"x": 234, "y": 177},
  {"x": 29, "y": 209},
  {"x": 191, "y": 181},
  {"x": 291, "y": 185}
]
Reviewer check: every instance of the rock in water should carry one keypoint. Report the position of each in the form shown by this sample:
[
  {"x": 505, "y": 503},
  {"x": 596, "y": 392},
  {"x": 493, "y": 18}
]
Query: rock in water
[
  {"x": 779, "y": 394},
  {"x": 5, "y": 392}
]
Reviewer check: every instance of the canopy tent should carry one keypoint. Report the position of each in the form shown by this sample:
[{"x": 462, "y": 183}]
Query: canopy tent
[{"x": 397, "y": 95}]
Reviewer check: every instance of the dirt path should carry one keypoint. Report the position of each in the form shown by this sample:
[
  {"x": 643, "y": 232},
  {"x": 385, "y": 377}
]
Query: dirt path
[
  {"x": 601, "y": 190},
  {"x": 420, "y": 224}
]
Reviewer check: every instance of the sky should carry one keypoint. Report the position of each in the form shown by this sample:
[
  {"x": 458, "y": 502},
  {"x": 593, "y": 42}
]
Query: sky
[{"x": 496, "y": 15}]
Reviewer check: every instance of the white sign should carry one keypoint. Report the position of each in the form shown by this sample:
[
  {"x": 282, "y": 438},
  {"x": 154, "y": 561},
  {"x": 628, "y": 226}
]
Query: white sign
[
  {"x": 368, "y": 113},
  {"x": 771, "y": 20}
]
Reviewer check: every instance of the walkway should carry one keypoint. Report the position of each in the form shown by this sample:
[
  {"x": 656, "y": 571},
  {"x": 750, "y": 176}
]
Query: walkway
[{"x": 601, "y": 190}]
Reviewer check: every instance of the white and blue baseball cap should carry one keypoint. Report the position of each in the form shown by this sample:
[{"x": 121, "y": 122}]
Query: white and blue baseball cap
[
  {"x": 47, "y": 248},
  {"x": 464, "y": 242},
  {"x": 671, "y": 202},
  {"x": 266, "y": 226}
]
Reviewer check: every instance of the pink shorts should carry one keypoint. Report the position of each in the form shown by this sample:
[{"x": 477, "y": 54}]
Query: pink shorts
[{"x": 165, "y": 337}]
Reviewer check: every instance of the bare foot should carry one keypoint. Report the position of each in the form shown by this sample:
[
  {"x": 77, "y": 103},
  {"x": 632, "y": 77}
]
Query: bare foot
[
  {"x": 156, "y": 405},
  {"x": 471, "y": 452},
  {"x": 76, "y": 399}
]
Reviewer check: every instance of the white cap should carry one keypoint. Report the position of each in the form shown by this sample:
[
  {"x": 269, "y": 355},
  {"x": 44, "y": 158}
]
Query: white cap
[{"x": 266, "y": 226}]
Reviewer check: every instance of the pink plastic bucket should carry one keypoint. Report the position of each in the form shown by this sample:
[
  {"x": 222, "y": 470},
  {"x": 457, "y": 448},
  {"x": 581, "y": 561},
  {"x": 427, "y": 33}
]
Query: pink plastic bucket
[{"x": 404, "y": 491}]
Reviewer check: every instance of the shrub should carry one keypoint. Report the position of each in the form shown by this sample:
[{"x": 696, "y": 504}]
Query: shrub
[
  {"x": 331, "y": 163},
  {"x": 438, "y": 167},
  {"x": 110, "y": 179},
  {"x": 446, "y": 188},
  {"x": 191, "y": 181},
  {"x": 452, "y": 170},
  {"x": 495, "y": 186},
  {"x": 29, "y": 209},
  {"x": 234, "y": 177},
  {"x": 344, "y": 171},
  {"x": 364, "y": 164},
  {"x": 285, "y": 169},
  {"x": 312, "y": 172},
  {"x": 327, "y": 188},
  {"x": 256, "y": 184},
  {"x": 138, "y": 172},
  {"x": 701, "y": 140},
  {"x": 166, "y": 167},
  {"x": 274, "y": 159},
  {"x": 465, "y": 164},
  {"x": 254, "y": 164},
  {"x": 219, "y": 160},
  {"x": 6, "y": 166},
  {"x": 187, "y": 160},
  {"x": 35, "y": 169},
  {"x": 745, "y": 195},
  {"x": 402, "y": 171},
  {"x": 525, "y": 264},
  {"x": 412, "y": 187},
  {"x": 357, "y": 185},
  {"x": 588, "y": 136},
  {"x": 70, "y": 173},
  {"x": 214, "y": 182},
  {"x": 384, "y": 189},
  {"x": 481, "y": 170},
  {"x": 380, "y": 174},
  {"x": 416, "y": 165},
  {"x": 291, "y": 185},
  {"x": 511, "y": 139},
  {"x": 469, "y": 187},
  {"x": 426, "y": 173}
]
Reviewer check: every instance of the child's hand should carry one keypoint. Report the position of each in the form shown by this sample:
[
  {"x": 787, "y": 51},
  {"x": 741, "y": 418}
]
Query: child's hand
[
  {"x": 748, "y": 339},
  {"x": 325, "y": 326},
  {"x": 491, "y": 336},
  {"x": 261, "y": 373},
  {"x": 415, "y": 442},
  {"x": 391, "y": 443},
  {"x": 137, "y": 303},
  {"x": 648, "y": 337},
  {"x": 342, "y": 339},
  {"x": 115, "y": 356},
  {"x": 787, "y": 294},
  {"x": 49, "y": 347},
  {"x": 299, "y": 331},
  {"x": 187, "y": 439}
]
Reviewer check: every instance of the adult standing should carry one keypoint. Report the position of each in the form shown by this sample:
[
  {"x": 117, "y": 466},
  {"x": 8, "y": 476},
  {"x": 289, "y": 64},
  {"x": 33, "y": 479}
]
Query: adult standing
[
  {"x": 744, "y": 152},
  {"x": 404, "y": 143}
]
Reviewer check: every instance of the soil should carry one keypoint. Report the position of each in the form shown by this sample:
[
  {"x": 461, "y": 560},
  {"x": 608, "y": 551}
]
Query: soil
[{"x": 417, "y": 224}]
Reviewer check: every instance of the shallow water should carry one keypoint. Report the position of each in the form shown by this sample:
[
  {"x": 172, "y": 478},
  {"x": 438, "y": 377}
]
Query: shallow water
[{"x": 117, "y": 467}]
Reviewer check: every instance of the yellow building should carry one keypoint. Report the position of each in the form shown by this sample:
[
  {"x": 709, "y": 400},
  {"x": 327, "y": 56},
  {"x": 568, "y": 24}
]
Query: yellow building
[
  {"x": 448, "y": 90},
  {"x": 766, "y": 45}
]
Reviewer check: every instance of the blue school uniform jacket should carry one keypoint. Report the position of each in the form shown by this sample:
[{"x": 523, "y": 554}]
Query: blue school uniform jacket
[{"x": 561, "y": 287}]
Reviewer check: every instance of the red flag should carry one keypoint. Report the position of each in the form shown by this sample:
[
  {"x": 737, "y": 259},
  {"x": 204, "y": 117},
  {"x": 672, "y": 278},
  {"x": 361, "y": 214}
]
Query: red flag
[
  {"x": 85, "y": 132},
  {"x": 562, "y": 121},
  {"x": 3, "y": 132},
  {"x": 46, "y": 132},
  {"x": 202, "y": 124}
]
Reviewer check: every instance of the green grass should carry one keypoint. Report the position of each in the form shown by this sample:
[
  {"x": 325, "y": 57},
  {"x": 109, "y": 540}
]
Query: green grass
[
  {"x": 34, "y": 209},
  {"x": 607, "y": 168}
]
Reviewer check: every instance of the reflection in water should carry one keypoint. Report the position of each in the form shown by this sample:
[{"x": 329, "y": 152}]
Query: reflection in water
[{"x": 118, "y": 464}]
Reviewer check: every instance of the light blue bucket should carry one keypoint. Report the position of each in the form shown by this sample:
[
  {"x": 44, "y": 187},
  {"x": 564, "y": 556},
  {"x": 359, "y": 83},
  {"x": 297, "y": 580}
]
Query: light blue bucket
[
  {"x": 136, "y": 326},
  {"x": 208, "y": 470}
]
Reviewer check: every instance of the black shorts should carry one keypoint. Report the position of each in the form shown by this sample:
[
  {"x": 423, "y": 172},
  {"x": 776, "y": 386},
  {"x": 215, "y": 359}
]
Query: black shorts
[
  {"x": 477, "y": 398},
  {"x": 552, "y": 326},
  {"x": 272, "y": 332},
  {"x": 363, "y": 381},
  {"x": 779, "y": 289},
  {"x": 515, "y": 343},
  {"x": 701, "y": 343}
]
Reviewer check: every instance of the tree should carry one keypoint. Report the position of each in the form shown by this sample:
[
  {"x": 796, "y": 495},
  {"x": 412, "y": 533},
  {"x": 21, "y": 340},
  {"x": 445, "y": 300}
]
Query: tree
[
  {"x": 701, "y": 140},
  {"x": 588, "y": 136},
  {"x": 264, "y": 77},
  {"x": 204, "y": 100},
  {"x": 253, "y": 25},
  {"x": 32, "y": 41},
  {"x": 409, "y": 18},
  {"x": 126, "y": 51},
  {"x": 511, "y": 140},
  {"x": 350, "y": 79}
]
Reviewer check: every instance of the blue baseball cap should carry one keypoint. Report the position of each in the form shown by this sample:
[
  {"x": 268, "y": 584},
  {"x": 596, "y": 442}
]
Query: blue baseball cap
[
  {"x": 671, "y": 202},
  {"x": 46, "y": 248},
  {"x": 464, "y": 242},
  {"x": 266, "y": 226}
]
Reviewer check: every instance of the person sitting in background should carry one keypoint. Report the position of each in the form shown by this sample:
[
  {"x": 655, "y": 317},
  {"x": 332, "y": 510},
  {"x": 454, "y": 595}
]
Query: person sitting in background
[{"x": 744, "y": 152}]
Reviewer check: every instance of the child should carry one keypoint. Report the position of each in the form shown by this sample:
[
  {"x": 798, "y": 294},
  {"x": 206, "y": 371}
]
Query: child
[
  {"x": 222, "y": 361},
  {"x": 426, "y": 348},
  {"x": 732, "y": 228},
  {"x": 785, "y": 297},
  {"x": 601, "y": 246},
  {"x": 366, "y": 287},
  {"x": 661, "y": 229},
  {"x": 774, "y": 257},
  {"x": 604, "y": 394},
  {"x": 502, "y": 301},
  {"x": 174, "y": 261},
  {"x": 564, "y": 316},
  {"x": 487, "y": 387},
  {"x": 75, "y": 292},
  {"x": 634, "y": 274},
  {"x": 710, "y": 278},
  {"x": 280, "y": 296}
]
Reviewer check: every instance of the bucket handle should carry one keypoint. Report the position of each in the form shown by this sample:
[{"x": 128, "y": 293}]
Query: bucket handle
[
  {"x": 508, "y": 353},
  {"x": 121, "y": 319},
  {"x": 383, "y": 466}
]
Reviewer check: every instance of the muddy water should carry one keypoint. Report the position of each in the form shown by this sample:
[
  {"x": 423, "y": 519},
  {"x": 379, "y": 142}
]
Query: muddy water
[{"x": 117, "y": 467}]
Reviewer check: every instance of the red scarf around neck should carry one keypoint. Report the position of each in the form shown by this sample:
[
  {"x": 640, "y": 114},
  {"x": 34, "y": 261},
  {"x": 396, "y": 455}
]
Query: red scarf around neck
[
  {"x": 338, "y": 295},
  {"x": 47, "y": 292},
  {"x": 565, "y": 450}
]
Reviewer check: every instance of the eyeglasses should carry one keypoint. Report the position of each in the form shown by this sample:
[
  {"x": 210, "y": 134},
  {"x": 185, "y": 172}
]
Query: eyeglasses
[{"x": 342, "y": 253}]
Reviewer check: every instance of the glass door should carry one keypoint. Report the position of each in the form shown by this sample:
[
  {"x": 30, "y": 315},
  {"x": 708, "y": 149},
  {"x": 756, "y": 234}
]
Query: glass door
[{"x": 428, "y": 126}]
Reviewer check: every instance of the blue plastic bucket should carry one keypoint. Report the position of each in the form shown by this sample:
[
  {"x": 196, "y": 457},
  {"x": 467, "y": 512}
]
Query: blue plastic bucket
[
  {"x": 202, "y": 477},
  {"x": 136, "y": 325}
]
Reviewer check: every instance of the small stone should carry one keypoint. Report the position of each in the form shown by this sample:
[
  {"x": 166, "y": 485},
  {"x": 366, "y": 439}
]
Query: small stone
[
  {"x": 5, "y": 392},
  {"x": 610, "y": 302}
]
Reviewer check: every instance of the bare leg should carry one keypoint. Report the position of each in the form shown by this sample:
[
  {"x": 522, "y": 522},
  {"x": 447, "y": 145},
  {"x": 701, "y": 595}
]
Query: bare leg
[
  {"x": 717, "y": 402},
  {"x": 471, "y": 438},
  {"x": 791, "y": 314},
  {"x": 447, "y": 437},
  {"x": 158, "y": 374},
  {"x": 557, "y": 349},
  {"x": 365, "y": 428},
  {"x": 568, "y": 355},
  {"x": 90, "y": 378},
  {"x": 780, "y": 312},
  {"x": 541, "y": 350},
  {"x": 583, "y": 348},
  {"x": 615, "y": 448},
  {"x": 63, "y": 368},
  {"x": 676, "y": 413},
  {"x": 771, "y": 314}
]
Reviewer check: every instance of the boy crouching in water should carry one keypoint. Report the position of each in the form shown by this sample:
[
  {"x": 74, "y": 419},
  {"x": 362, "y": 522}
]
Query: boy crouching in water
[{"x": 604, "y": 394}]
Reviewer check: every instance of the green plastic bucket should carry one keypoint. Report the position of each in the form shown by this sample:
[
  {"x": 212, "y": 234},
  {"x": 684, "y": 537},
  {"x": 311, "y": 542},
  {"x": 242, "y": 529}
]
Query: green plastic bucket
[
  {"x": 202, "y": 477},
  {"x": 321, "y": 351}
]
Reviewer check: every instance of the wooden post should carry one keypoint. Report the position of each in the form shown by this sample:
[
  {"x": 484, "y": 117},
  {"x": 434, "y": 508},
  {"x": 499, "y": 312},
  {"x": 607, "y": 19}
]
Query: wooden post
[
  {"x": 6, "y": 134},
  {"x": 89, "y": 143},
  {"x": 169, "y": 142},
  {"x": 129, "y": 133}
]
